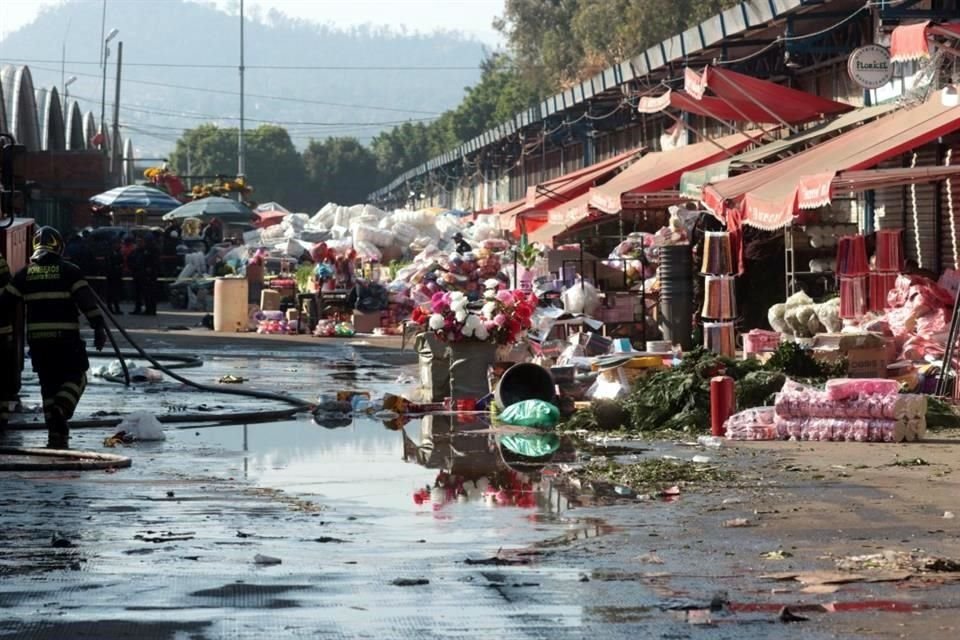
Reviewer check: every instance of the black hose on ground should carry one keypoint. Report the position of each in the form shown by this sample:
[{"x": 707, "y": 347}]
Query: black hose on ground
[
  {"x": 303, "y": 405},
  {"x": 189, "y": 419}
]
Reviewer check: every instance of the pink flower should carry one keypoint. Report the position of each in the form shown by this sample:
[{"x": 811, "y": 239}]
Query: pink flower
[
  {"x": 505, "y": 297},
  {"x": 439, "y": 302},
  {"x": 500, "y": 320}
]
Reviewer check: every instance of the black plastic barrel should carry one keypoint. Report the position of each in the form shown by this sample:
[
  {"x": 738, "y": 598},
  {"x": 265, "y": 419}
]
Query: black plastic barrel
[
  {"x": 676, "y": 295},
  {"x": 525, "y": 381}
]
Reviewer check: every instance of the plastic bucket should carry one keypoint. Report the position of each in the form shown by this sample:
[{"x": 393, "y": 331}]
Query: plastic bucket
[{"x": 525, "y": 381}]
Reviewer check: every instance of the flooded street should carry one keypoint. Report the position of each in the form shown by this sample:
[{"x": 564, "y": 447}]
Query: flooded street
[{"x": 293, "y": 529}]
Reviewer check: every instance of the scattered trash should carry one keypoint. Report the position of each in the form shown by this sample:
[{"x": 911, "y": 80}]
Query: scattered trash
[
  {"x": 711, "y": 442},
  {"x": 820, "y": 589},
  {"x": 497, "y": 561},
  {"x": 405, "y": 379},
  {"x": 59, "y": 541},
  {"x": 231, "y": 379},
  {"x": 170, "y": 494},
  {"x": 701, "y": 459},
  {"x": 890, "y": 560},
  {"x": 328, "y": 539},
  {"x": 820, "y": 578},
  {"x": 912, "y": 462},
  {"x": 788, "y": 616},
  {"x": 157, "y": 537},
  {"x": 140, "y": 426},
  {"x": 738, "y": 522},
  {"x": 779, "y": 554},
  {"x": 949, "y": 515},
  {"x": 623, "y": 491},
  {"x": 410, "y": 582},
  {"x": 650, "y": 558},
  {"x": 699, "y": 617},
  {"x": 266, "y": 560}
]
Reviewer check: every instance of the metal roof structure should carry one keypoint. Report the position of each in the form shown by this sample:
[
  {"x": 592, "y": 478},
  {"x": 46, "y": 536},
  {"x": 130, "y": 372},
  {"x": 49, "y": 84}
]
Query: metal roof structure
[{"x": 699, "y": 44}]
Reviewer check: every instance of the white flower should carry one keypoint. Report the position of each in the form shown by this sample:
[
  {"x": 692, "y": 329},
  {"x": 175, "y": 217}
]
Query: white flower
[
  {"x": 490, "y": 294},
  {"x": 481, "y": 333},
  {"x": 459, "y": 305},
  {"x": 489, "y": 310},
  {"x": 436, "y": 322},
  {"x": 491, "y": 283},
  {"x": 456, "y": 296},
  {"x": 461, "y": 315},
  {"x": 472, "y": 322}
]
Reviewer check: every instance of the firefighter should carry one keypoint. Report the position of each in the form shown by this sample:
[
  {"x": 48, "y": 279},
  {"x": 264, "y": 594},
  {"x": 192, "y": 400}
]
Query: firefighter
[
  {"x": 9, "y": 364},
  {"x": 53, "y": 290}
]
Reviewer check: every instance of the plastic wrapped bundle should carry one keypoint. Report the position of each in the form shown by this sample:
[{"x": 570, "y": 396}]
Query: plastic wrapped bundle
[
  {"x": 828, "y": 313},
  {"x": 846, "y": 388},
  {"x": 777, "y": 321}
]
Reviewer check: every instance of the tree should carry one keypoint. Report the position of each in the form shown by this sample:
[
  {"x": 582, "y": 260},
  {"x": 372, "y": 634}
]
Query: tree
[
  {"x": 273, "y": 166},
  {"x": 340, "y": 170},
  {"x": 569, "y": 40}
]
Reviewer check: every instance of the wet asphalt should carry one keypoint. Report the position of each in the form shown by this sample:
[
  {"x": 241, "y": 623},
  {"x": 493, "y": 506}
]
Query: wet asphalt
[{"x": 291, "y": 529}]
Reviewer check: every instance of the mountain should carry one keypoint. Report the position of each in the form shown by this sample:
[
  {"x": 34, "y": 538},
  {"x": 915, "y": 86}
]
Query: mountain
[{"x": 180, "y": 62}]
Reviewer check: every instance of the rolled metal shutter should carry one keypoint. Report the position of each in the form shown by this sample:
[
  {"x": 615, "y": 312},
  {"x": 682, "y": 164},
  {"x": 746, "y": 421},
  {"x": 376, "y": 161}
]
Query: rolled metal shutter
[{"x": 950, "y": 209}]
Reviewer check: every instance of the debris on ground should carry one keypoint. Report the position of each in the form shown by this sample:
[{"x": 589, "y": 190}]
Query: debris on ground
[
  {"x": 497, "y": 561},
  {"x": 231, "y": 379},
  {"x": 834, "y": 578},
  {"x": 266, "y": 560},
  {"x": 779, "y": 554},
  {"x": 60, "y": 541},
  {"x": 788, "y": 616},
  {"x": 890, "y": 560},
  {"x": 650, "y": 475},
  {"x": 738, "y": 522},
  {"x": 409, "y": 582}
]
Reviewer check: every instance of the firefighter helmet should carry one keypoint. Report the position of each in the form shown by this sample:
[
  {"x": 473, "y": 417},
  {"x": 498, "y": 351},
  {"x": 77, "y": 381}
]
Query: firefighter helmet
[{"x": 47, "y": 240}]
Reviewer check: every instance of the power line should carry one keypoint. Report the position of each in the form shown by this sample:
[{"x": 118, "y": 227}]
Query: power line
[
  {"x": 250, "y": 95},
  {"x": 269, "y": 67},
  {"x": 207, "y": 116}
]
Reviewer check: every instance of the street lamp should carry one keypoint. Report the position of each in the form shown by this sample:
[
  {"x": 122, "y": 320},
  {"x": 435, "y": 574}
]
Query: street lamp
[
  {"x": 103, "y": 87},
  {"x": 66, "y": 90}
]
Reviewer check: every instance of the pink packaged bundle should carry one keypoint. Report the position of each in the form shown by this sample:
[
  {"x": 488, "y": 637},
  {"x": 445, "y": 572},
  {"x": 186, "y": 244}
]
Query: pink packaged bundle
[{"x": 847, "y": 388}]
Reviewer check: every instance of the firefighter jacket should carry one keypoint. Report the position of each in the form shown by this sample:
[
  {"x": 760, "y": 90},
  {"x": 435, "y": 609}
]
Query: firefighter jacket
[{"x": 54, "y": 293}]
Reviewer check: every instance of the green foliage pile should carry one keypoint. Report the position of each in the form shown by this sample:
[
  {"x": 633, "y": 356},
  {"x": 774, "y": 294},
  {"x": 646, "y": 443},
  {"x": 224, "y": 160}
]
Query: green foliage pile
[
  {"x": 678, "y": 399},
  {"x": 942, "y": 414},
  {"x": 648, "y": 475}
]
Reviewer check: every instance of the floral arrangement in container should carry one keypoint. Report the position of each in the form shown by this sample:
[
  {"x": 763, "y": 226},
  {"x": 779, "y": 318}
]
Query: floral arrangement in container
[{"x": 503, "y": 319}]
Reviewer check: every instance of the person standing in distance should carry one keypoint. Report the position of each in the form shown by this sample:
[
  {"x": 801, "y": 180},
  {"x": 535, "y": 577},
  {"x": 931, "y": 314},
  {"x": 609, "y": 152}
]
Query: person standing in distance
[{"x": 54, "y": 293}]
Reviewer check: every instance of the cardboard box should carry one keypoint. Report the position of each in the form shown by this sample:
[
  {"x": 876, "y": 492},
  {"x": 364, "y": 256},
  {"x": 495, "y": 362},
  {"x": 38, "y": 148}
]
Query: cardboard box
[
  {"x": 366, "y": 322},
  {"x": 867, "y": 354}
]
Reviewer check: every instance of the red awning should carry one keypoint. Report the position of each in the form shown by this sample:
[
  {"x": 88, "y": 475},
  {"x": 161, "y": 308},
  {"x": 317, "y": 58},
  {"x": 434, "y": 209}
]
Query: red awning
[
  {"x": 662, "y": 170},
  {"x": 742, "y": 98},
  {"x": 769, "y": 197},
  {"x": 561, "y": 190},
  {"x": 855, "y": 181},
  {"x": 911, "y": 42}
]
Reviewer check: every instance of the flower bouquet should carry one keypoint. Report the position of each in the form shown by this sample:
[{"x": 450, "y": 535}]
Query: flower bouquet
[{"x": 503, "y": 319}]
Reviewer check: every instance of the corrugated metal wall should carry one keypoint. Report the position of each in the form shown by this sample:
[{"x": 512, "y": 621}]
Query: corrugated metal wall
[{"x": 913, "y": 209}]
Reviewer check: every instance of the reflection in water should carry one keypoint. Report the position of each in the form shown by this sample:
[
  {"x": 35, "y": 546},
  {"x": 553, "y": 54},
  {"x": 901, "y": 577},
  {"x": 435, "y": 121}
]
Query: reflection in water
[{"x": 473, "y": 465}]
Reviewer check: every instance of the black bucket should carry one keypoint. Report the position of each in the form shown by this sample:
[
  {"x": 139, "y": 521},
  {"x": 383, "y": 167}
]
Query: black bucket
[{"x": 525, "y": 381}]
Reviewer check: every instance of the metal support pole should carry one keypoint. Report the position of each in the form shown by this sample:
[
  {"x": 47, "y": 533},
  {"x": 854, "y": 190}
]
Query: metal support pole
[
  {"x": 115, "y": 165},
  {"x": 241, "y": 150}
]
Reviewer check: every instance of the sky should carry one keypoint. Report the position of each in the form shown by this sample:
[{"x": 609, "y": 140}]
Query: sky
[{"x": 473, "y": 17}]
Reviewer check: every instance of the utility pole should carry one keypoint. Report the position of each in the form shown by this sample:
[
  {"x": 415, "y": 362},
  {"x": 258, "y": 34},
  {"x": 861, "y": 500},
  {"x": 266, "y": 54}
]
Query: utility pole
[
  {"x": 116, "y": 166},
  {"x": 241, "y": 150}
]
